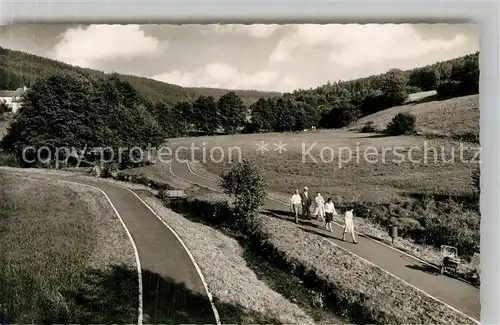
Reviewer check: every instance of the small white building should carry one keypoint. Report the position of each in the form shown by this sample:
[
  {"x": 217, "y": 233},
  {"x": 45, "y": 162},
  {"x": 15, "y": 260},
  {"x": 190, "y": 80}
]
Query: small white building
[{"x": 13, "y": 98}]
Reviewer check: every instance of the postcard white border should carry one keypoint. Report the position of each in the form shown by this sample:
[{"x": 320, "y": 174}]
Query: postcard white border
[{"x": 486, "y": 14}]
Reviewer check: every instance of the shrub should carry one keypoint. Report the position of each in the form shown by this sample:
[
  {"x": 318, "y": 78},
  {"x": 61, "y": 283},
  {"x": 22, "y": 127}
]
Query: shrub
[
  {"x": 128, "y": 176},
  {"x": 449, "y": 89},
  {"x": 402, "y": 123},
  {"x": 369, "y": 127},
  {"x": 209, "y": 211},
  {"x": 340, "y": 116},
  {"x": 413, "y": 89},
  {"x": 249, "y": 128},
  {"x": 244, "y": 183},
  {"x": 452, "y": 229},
  {"x": 4, "y": 108},
  {"x": 109, "y": 169},
  {"x": 373, "y": 297},
  {"x": 409, "y": 227},
  {"x": 428, "y": 220},
  {"x": 467, "y": 136}
]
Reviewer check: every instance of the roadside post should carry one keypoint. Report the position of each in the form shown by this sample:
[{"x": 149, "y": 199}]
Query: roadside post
[
  {"x": 393, "y": 232},
  {"x": 3, "y": 313}
]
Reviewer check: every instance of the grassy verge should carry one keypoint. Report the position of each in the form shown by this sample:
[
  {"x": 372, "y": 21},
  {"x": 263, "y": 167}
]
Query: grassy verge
[
  {"x": 5, "y": 119},
  {"x": 7, "y": 159},
  {"x": 374, "y": 229},
  {"x": 348, "y": 286},
  {"x": 257, "y": 290},
  {"x": 372, "y": 300},
  {"x": 64, "y": 255},
  {"x": 352, "y": 286},
  {"x": 246, "y": 288}
]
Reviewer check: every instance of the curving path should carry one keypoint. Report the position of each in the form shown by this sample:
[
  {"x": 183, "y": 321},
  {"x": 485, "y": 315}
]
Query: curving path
[
  {"x": 457, "y": 294},
  {"x": 172, "y": 290}
]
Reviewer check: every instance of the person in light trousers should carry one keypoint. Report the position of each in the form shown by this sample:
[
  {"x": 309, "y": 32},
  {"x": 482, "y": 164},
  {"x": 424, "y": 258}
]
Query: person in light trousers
[
  {"x": 349, "y": 224},
  {"x": 319, "y": 212}
]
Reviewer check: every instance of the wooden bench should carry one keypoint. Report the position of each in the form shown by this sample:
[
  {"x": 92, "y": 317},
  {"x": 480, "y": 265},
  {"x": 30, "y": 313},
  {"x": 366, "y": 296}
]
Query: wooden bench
[{"x": 174, "y": 193}]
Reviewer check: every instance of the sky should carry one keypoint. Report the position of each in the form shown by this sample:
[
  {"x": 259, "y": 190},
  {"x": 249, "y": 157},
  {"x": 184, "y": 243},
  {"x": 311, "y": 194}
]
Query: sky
[{"x": 261, "y": 57}]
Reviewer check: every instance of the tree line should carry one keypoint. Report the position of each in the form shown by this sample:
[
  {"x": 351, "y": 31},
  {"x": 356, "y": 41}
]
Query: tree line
[
  {"x": 80, "y": 112},
  {"x": 338, "y": 104},
  {"x": 85, "y": 110}
]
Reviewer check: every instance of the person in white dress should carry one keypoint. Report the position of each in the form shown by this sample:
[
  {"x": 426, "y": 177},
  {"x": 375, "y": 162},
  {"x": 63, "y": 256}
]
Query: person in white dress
[
  {"x": 329, "y": 213},
  {"x": 320, "y": 207},
  {"x": 295, "y": 205},
  {"x": 349, "y": 225}
]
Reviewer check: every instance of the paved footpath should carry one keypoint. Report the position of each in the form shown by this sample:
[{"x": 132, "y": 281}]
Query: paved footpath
[
  {"x": 173, "y": 290},
  {"x": 456, "y": 293}
]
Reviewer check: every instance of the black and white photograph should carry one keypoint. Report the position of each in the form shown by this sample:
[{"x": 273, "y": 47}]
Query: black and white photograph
[{"x": 240, "y": 174}]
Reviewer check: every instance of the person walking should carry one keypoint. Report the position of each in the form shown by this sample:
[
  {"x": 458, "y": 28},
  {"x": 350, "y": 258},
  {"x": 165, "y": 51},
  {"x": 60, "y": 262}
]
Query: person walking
[
  {"x": 306, "y": 204},
  {"x": 319, "y": 212},
  {"x": 295, "y": 204},
  {"x": 349, "y": 224},
  {"x": 329, "y": 213}
]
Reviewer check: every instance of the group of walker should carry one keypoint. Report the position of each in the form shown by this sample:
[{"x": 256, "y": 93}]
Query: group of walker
[{"x": 301, "y": 203}]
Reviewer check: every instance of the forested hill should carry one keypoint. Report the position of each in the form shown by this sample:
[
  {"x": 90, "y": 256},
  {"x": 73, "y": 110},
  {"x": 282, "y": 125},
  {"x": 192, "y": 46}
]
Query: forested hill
[
  {"x": 346, "y": 100},
  {"x": 19, "y": 68},
  {"x": 339, "y": 104}
]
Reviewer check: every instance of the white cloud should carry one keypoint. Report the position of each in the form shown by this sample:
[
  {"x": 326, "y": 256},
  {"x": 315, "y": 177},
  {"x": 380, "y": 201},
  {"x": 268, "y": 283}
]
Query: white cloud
[
  {"x": 254, "y": 30},
  {"x": 84, "y": 46},
  {"x": 355, "y": 45},
  {"x": 221, "y": 75}
]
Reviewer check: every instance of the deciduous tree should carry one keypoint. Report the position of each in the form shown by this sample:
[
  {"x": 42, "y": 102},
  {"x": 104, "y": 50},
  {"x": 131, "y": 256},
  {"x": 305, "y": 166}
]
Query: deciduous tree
[
  {"x": 205, "y": 114},
  {"x": 244, "y": 183},
  {"x": 232, "y": 112}
]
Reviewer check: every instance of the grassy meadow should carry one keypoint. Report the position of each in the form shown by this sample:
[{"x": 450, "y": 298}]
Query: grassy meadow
[
  {"x": 423, "y": 184},
  {"x": 64, "y": 255},
  {"x": 363, "y": 167},
  {"x": 453, "y": 118}
]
